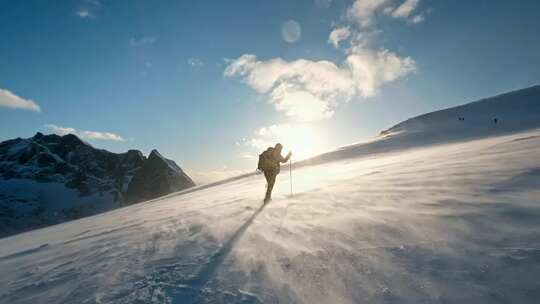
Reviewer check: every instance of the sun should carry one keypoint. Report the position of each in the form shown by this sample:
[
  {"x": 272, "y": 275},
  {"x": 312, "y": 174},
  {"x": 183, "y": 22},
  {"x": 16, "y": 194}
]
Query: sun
[{"x": 302, "y": 140}]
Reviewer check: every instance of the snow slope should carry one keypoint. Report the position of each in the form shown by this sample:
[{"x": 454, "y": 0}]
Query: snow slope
[
  {"x": 515, "y": 112},
  {"x": 25, "y": 204},
  {"x": 452, "y": 222}
]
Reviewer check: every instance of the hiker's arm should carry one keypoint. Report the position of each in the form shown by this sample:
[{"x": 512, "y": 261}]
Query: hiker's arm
[{"x": 286, "y": 158}]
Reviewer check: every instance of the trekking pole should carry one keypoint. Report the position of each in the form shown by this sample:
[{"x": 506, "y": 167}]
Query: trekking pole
[{"x": 290, "y": 172}]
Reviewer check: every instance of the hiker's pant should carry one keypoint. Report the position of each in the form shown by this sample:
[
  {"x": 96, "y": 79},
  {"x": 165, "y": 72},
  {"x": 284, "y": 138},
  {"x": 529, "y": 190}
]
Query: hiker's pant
[{"x": 270, "y": 181}]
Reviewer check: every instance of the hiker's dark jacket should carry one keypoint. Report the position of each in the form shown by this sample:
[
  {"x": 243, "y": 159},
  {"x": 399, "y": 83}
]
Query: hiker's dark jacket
[{"x": 275, "y": 159}]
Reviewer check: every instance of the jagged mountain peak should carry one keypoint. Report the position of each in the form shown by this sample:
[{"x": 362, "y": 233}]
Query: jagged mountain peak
[
  {"x": 157, "y": 177},
  {"x": 155, "y": 153},
  {"x": 69, "y": 162},
  {"x": 38, "y": 135}
]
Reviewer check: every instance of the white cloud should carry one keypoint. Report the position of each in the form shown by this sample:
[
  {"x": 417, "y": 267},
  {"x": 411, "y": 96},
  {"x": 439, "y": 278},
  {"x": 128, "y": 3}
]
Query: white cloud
[
  {"x": 195, "y": 62},
  {"x": 311, "y": 90},
  {"x": 257, "y": 143},
  {"x": 303, "y": 89},
  {"x": 61, "y": 130},
  {"x": 101, "y": 135},
  {"x": 372, "y": 69},
  {"x": 300, "y": 103},
  {"x": 88, "y": 9},
  {"x": 275, "y": 133},
  {"x": 10, "y": 100},
  {"x": 84, "y": 134},
  {"x": 339, "y": 34},
  {"x": 268, "y": 136},
  {"x": 417, "y": 19},
  {"x": 84, "y": 14},
  {"x": 142, "y": 41},
  {"x": 405, "y": 9},
  {"x": 363, "y": 11}
]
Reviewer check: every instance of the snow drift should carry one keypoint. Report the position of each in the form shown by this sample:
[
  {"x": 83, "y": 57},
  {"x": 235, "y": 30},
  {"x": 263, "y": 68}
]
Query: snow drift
[{"x": 410, "y": 217}]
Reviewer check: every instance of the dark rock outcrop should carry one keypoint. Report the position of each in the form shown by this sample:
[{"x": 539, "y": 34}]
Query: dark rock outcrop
[
  {"x": 120, "y": 178},
  {"x": 158, "y": 176}
]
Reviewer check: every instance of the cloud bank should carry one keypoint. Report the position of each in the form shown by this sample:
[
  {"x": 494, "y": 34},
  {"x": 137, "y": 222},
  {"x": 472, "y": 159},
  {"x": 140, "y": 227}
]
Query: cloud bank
[
  {"x": 309, "y": 90},
  {"x": 92, "y": 135},
  {"x": 10, "y": 100}
]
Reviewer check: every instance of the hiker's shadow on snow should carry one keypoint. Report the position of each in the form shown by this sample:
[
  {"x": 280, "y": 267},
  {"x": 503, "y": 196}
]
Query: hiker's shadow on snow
[{"x": 208, "y": 270}]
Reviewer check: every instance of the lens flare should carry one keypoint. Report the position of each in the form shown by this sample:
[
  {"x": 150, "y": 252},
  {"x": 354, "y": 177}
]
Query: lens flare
[{"x": 291, "y": 31}]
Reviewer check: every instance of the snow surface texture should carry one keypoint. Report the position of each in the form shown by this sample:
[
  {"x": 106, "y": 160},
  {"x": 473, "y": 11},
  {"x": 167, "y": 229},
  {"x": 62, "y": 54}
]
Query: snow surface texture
[
  {"x": 446, "y": 223},
  {"x": 26, "y": 203}
]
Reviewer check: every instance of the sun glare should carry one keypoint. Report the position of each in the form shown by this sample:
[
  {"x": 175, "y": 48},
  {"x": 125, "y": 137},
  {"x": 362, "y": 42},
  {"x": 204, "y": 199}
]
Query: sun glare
[{"x": 302, "y": 140}]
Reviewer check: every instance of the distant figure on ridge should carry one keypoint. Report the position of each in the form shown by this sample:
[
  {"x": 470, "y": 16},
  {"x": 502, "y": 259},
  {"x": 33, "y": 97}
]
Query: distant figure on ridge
[
  {"x": 495, "y": 120},
  {"x": 269, "y": 164}
]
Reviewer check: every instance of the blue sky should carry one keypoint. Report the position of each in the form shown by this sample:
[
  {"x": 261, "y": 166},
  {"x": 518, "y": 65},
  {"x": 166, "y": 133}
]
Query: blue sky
[{"x": 211, "y": 83}]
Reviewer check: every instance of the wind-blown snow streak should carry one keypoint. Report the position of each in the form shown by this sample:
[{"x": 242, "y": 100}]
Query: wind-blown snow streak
[{"x": 448, "y": 223}]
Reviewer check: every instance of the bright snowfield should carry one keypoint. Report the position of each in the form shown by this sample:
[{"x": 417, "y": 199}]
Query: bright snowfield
[{"x": 450, "y": 222}]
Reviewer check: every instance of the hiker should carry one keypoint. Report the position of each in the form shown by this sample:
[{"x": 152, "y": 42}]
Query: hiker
[{"x": 269, "y": 164}]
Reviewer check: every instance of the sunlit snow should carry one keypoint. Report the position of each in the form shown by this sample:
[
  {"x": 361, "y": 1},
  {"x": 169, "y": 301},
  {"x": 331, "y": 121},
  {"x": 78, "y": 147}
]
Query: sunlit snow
[{"x": 423, "y": 222}]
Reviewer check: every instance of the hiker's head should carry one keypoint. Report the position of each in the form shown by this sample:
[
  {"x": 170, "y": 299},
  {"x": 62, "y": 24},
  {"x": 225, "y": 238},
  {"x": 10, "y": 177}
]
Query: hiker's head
[{"x": 278, "y": 147}]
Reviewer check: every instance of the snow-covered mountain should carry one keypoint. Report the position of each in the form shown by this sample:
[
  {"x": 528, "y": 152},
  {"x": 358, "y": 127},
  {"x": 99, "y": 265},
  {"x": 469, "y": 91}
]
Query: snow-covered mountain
[
  {"x": 502, "y": 114},
  {"x": 48, "y": 179},
  {"x": 422, "y": 214}
]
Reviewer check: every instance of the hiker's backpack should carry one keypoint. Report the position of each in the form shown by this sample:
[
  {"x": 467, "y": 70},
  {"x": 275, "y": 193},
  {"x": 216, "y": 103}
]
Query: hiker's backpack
[{"x": 265, "y": 160}]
